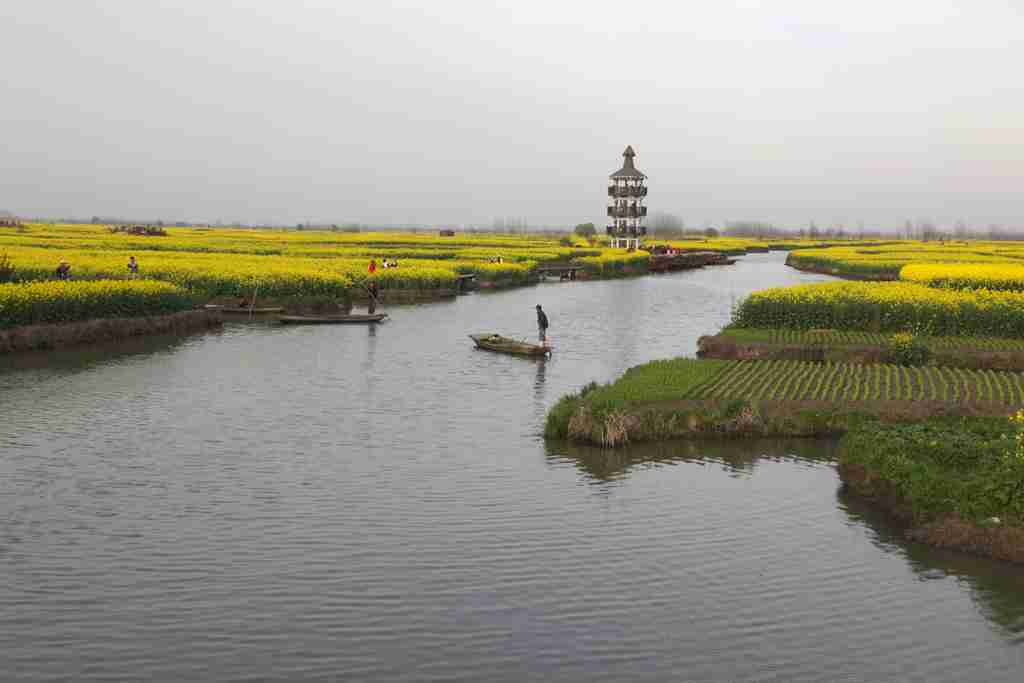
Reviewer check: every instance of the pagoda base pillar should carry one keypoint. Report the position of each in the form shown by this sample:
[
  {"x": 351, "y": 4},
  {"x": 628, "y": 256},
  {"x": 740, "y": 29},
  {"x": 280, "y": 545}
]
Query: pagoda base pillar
[{"x": 625, "y": 243}]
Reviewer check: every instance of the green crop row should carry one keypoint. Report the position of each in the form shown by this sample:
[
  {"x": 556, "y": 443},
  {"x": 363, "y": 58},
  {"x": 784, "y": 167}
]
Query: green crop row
[
  {"x": 836, "y": 338},
  {"x": 845, "y": 382}
]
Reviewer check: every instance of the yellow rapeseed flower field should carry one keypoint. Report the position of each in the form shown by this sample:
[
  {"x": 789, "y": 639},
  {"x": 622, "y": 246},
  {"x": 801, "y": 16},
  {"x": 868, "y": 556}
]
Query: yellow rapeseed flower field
[
  {"x": 999, "y": 276},
  {"x": 284, "y": 263},
  {"x": 885, "y": 260},
  {"x": 58, "y": 302},
  {"x": 885, "y": 307}
]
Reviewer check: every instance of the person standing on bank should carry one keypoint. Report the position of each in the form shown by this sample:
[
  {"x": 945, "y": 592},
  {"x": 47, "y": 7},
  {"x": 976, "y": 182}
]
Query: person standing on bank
[{"x": 542, "y": 325}]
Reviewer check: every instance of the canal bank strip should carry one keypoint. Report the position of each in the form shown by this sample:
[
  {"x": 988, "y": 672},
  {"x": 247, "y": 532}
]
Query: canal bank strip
[{"x": 98, "y": 330}]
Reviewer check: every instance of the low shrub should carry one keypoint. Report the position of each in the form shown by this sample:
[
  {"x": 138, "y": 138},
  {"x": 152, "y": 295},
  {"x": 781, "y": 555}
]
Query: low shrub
[
  {"x": 6, "y": 269},
  {"x": 556, "y": 426},
  {"x": 906, "y": 348}
]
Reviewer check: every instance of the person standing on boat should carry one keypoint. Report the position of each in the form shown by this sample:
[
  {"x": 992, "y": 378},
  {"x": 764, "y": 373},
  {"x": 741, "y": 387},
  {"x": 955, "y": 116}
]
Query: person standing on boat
[
  {"x": 371, "y": 288},
  {"x": 542, "y": 325}
]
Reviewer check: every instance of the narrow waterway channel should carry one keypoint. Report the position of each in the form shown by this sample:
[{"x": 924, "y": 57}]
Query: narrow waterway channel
[{"x": 377, "y": 504}]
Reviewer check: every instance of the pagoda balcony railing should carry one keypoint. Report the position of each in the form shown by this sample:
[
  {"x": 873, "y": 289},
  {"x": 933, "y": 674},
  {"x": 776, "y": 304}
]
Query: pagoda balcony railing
[
  {"x": 632, "y": 231},
  {"x": 626, "y": 192},
  {"x": 627, "y": 211}
]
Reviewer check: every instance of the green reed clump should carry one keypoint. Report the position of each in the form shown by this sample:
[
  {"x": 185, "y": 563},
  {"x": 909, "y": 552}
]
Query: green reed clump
[
  {"x": 556, "y": 426},
  {"x": 661, "y": 380}
]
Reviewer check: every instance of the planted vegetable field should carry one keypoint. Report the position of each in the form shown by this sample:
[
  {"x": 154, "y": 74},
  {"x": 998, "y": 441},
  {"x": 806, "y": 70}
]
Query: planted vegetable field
[
  {"x": 690, "y": 379},
  {"x": 849, "y": 382},
  {"x": 837, "y": 338}
]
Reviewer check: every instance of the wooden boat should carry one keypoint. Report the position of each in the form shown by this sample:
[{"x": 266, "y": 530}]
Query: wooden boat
[
  {"x": 256, "y": 310},
  {"x": 331, "y": 319},
  {"x": 495, "y": 342}
]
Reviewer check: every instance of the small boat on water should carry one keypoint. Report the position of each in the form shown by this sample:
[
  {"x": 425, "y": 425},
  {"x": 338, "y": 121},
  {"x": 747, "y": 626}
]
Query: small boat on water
[
  {"x": 495, "y": 342},
  {"x": 244, "y": 310},
  {"x": 331, "y": 319}
]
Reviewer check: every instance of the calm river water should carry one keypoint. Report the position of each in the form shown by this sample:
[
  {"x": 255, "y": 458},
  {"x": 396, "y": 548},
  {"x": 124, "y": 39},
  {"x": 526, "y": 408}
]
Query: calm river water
[{"x": 377, "y": 504}]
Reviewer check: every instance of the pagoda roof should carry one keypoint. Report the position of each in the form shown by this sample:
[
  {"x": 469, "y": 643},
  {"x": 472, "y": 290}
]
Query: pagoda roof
[{"x": 628, "y": 170}]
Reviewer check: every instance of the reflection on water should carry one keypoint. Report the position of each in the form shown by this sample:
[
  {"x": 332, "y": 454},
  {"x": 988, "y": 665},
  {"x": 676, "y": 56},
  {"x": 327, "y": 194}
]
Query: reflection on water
[
  {"x": 997, "y": 587},
  {"x": 82, "y": 357},
  {"x": 736, "y": 456},
  {"x": 376, "y": 504}
]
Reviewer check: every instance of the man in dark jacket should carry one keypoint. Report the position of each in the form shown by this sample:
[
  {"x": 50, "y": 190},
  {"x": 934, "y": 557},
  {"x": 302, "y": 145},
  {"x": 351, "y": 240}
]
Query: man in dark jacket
[
  {"x": 542, "y": 325},
  {"x": 371, "y": 289}
]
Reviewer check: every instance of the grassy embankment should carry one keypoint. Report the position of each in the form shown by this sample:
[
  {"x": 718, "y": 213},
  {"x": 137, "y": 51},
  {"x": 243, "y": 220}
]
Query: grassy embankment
[{"x": 958, "y": 483}]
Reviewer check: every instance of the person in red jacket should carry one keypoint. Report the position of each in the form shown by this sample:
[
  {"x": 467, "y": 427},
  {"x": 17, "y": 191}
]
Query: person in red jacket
[{"x": 373, "y": 266}]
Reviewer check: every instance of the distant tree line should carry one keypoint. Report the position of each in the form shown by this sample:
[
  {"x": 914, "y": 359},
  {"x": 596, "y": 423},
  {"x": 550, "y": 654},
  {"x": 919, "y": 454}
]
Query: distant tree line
[{"x": 661, "y": 225}]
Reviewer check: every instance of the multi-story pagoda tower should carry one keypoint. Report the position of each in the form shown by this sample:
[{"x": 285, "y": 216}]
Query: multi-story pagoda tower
[{"x": 626, "y": 212}]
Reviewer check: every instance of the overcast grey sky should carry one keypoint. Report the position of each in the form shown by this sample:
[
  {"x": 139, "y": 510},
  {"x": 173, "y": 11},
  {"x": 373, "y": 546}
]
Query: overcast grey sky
[{"x": 464, "y": 111}]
